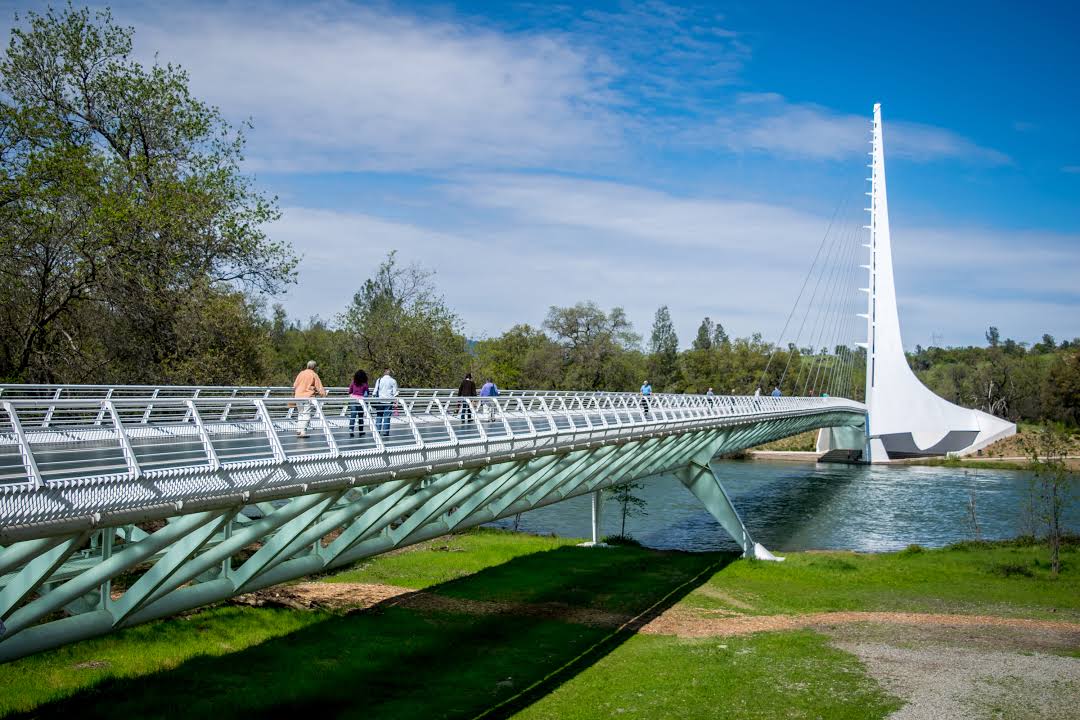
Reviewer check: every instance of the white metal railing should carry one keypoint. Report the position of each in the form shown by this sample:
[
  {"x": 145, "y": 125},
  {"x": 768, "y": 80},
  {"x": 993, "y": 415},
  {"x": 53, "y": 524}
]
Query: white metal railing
[
  {"x": 92, "y": 460},
  {"x": 77, "y": 440}
]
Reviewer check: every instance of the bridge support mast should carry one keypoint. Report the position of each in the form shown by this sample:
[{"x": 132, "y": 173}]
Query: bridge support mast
[
  {"x": 596, "y": 502},
  {"x": 702, "y": 481},
  {"x": 904, "y": 418}
]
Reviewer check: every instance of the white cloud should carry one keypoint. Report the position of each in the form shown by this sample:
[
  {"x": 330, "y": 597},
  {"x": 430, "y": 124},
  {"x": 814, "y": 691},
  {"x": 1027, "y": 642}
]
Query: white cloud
[
  {"x": 535, "y": 241},
  {"x": 338, "y": 86},
  {"x": 335, "y": 86},
  {"x": 767, "y": 122}
]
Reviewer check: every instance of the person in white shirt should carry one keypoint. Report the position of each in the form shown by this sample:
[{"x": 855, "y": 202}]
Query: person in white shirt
[{"x": 386, "y": 389}]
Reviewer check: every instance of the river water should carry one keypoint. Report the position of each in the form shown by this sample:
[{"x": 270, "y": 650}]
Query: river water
[{"x": 799, "y": 506}]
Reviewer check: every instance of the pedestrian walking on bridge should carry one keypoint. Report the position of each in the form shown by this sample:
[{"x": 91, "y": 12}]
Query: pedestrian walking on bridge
[
  {"x": 467, "y": 389},
  {"x": 358, "y": 390},
  {"x": 306, "y": 386},
  {"x": 490, "y": 391},
  {"x": 386, "y": 389}
]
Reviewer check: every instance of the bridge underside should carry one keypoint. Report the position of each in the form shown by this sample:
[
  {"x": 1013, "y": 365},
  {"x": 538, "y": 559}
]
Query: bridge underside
[{"x": 58, "y": 587}]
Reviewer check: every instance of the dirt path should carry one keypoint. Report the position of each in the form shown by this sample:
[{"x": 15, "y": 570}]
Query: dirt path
[
  {"x": 337, "y": 596},
  {"x": 688, "y": 623},
  {"x": 679, "y": 621}
]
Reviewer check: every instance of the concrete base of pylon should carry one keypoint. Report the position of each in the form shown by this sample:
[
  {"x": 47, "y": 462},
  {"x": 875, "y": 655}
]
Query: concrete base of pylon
[
  {"x": 761, "y": 553},
  {"x": 591, "y": 544}
]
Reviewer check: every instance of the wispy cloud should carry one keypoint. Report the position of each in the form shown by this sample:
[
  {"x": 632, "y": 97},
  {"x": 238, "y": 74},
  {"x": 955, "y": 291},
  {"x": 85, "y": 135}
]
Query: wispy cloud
[
  {"x": 767, "y": 122},
  {"x": 333, "y": 86},
  {"x": 338, "y": 86},
  {"x": 1071, "y": 169},
  {"x": 545, "y": 240}
]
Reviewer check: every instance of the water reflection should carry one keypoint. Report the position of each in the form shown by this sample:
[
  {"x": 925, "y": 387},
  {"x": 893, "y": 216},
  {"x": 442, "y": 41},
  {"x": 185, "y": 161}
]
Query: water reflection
[{"x": 796, "y": 506}]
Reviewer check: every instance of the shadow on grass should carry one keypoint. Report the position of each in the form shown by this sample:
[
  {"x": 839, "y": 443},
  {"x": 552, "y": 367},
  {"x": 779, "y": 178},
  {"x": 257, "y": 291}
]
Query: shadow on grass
[{"x": 393, "y": 661}]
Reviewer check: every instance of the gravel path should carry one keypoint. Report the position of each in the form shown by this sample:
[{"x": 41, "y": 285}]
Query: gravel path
[{"x": 950, "y": 683}]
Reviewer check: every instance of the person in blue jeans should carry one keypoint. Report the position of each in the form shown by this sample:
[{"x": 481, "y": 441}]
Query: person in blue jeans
[
  {"x": 358, "y": 390},
  {"x": 489, "y": 390},
  {"x": 646, "y": 391},
  {"x": 386, "y": 389}
]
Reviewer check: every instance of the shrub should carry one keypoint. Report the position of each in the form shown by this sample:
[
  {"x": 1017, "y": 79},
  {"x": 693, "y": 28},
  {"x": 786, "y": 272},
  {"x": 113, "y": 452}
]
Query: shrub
[
  {"x": 1012, "y": 569},
  {"x": 624, "y": 540}
]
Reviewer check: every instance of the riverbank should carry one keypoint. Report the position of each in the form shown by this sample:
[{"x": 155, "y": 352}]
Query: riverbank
[
  {"x": 497, "y": 624},
  {"x": 985, "y": 463}
]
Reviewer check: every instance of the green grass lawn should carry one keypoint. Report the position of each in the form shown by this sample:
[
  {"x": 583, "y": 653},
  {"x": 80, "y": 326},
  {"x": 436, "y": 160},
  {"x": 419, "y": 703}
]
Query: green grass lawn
[
  {"x": 766, "y": 676},
  {"x": 448, "y": 558},
  {"x": 401, "y": 663},
  {"x": 971, "y": 579}
]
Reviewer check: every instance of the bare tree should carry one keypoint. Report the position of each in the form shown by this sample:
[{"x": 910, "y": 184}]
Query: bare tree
[{"x": 1055, "y": 484}]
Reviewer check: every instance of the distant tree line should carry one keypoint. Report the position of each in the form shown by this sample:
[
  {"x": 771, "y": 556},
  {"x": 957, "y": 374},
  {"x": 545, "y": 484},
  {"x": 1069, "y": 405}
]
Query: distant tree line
[{"x": 1007, "y": 378}]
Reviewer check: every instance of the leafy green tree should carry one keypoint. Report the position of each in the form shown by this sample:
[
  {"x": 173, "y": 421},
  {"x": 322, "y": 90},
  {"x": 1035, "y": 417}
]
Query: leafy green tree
[
  {"x": 599, "y": 350},
  {"x": 630, "y": 504},
  {"x": 292, "y": 344},
  {"x": 663, "y": 364},
  {"x": 1061, "y": 389},
  {"x": 221, "y": 339},
  {"x": 121, "y": 202},
  {"x": 522, "y": 357},
  {"x": 398, "y": 320},
  {"x": 704, "y": 339},
  {"x": 720, "y": 336},
  {"x": 1047, "y": 345},
  {"x": 1055, "y": 485}
]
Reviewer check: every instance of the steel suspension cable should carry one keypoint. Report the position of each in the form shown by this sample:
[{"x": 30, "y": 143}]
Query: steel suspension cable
[
  {"x": 827, "y": 364},
  {"x": 783, "y": 333},
  {"x": 821, "y": 318},
  {"x": 809, "y": 306}
]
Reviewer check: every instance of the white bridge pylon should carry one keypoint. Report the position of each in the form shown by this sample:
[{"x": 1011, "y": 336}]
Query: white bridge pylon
[
  {"x": 212, "y": 490},
  {"x": 904, "y": 418}
]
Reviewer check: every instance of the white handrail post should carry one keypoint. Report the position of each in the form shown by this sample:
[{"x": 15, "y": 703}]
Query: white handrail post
[
  {"x": 228, "y": 406},
  {"x": 412, "y": 424},
  {"x": 187, "y": 415},
  {"x": 211, "y": 453},
  {"x": 271, "y": 433},
  {"x": 150, "y": 406},
  {"x": 29, "y": 463},
  {"x": 125, "y": 443},
  {"x": 48, "y": 415},
  {"x": 330, "y": 441},
  {"x": 101, "y": 412}
]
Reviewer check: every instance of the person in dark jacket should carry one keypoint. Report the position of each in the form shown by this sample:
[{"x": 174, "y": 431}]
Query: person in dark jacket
[
  {"x": 358, "y": 390},
  {"x": 465, "y": 390}
]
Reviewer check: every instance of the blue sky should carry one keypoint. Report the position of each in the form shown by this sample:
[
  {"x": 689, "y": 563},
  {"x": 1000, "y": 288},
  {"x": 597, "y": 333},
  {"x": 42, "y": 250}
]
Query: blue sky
[{"x": 655, "y": 153}]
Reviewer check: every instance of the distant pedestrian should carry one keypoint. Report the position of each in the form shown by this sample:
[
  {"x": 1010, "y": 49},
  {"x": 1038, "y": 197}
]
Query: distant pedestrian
[
  {"x": 757, "y": 391},
  {"x": 306, "y": 386},
  {"x": 358, "y": 390},
  {"x": 646, "y": 391},
  {"x": 490, "y": 391},
  {"x": 386, "y": 389},
  {"x": 776, "y": 391},
  {"x": 710, "y": 396},
  {"x": 710, "y": 393},
  {"x": 467, "y": 389}
]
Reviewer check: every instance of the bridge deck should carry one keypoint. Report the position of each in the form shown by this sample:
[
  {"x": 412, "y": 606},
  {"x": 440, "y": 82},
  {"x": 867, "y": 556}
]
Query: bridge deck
[{"x": 72, "y": 458}]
